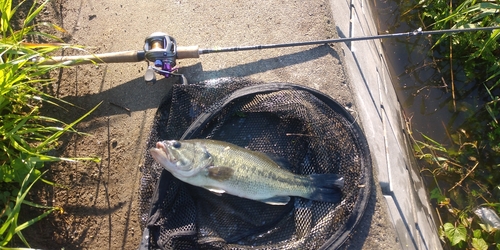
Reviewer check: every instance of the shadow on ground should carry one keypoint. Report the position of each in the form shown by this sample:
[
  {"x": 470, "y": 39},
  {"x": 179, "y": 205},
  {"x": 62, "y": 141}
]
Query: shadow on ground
[{"x": 136, "y": 95}]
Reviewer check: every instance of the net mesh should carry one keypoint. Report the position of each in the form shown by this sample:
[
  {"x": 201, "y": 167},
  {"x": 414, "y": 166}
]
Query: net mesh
[{"x": 293, "y": 123}]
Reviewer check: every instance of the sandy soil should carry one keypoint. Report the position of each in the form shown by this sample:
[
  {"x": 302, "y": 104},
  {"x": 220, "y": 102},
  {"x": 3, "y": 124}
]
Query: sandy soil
[{"x": 101, "y": 199}]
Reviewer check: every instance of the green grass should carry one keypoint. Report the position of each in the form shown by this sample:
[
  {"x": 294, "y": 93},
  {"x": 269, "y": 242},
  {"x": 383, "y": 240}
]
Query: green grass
[
  {"x": 466, "y": 169},
  {"x": 27, "y": 137}
]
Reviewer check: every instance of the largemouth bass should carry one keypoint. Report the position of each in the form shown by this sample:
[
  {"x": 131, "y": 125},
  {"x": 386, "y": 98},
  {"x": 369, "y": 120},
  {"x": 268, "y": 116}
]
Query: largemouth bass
[{"x": 222, "y": 167}]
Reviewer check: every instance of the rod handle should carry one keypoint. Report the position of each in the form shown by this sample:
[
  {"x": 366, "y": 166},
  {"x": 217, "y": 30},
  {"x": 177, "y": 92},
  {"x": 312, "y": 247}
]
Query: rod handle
[
  {"x": 188, "y": 52},
  {"x": 112, "y": 57}
]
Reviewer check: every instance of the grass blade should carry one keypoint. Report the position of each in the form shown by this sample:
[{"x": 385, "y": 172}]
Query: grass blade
[
  {"x": 66, "y": 128},
  {"x": 34, "y": 13}
]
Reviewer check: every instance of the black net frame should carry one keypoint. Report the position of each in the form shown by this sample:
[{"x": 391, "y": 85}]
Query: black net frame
[{"x": 308, "y": 128}]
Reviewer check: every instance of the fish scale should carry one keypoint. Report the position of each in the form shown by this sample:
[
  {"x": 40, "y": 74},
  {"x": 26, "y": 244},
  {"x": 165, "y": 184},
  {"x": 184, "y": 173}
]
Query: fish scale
[
  {"x": 222, "y": 167},
  {"x": 271, "y": 171}
]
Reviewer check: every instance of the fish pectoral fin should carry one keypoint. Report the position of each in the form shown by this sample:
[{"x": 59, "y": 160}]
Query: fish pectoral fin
[
  {"x": 215, "y": 190},
  {"x": 276, "y": 200},
  {"x": 220, "y": 173}
]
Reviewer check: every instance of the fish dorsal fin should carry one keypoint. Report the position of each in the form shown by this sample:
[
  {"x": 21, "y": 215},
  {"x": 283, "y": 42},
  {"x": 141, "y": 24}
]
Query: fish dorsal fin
[
  {"x": 276, "y": 200},
  {"x": 220, "y": 173},
  {"x": 282, "y": 162},
  {"x": 215, "y": 190}
]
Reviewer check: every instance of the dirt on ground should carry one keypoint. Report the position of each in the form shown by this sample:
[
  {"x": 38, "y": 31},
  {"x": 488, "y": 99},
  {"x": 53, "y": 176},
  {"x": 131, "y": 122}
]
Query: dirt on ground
[{"x": 100, "y": 200}]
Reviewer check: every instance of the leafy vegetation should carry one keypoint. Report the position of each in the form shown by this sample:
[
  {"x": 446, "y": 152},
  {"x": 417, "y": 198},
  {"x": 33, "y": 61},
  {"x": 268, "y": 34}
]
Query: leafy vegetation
[
  {"x": 466, "y": 169},
  {"x": 27, "y": 138}
]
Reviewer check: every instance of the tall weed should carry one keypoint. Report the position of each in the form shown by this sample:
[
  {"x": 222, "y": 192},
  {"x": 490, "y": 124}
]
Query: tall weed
[
  {"x": 27, "y": 138},
  {"x": 466, "y": 171}
]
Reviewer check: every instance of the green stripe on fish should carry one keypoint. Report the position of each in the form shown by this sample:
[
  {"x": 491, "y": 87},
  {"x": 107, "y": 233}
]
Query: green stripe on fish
[{"x": 222, "y": 167}]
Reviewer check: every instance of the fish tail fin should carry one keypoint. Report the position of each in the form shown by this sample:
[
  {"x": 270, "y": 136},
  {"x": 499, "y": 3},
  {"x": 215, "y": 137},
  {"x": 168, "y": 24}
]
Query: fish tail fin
[{"x": 326, "y": 187}]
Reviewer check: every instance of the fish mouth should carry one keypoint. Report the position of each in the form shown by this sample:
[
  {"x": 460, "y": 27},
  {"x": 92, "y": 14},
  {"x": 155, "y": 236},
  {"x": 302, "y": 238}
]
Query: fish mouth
[
  {"x": 163, "y": 146},
  {"x": 161, "y": 154},
  {"x": 165, "y": 151}
]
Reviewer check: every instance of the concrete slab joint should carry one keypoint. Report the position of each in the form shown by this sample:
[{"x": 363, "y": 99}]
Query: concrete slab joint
[{"x": 381, "y": 122}]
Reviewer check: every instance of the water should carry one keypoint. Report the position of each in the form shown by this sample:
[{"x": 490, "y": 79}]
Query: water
[
  {"x": 437, "y": 108},
  {"x": 431, "y": 100}
]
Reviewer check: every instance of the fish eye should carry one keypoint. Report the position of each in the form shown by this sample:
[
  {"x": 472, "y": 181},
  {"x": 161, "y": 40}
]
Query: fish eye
[{"x": 176, "y": 144}]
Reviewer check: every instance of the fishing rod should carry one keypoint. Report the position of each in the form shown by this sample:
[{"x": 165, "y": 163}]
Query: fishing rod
[
  {"x": 338, "y": 40},
  {"x": 162, "y": 51}
]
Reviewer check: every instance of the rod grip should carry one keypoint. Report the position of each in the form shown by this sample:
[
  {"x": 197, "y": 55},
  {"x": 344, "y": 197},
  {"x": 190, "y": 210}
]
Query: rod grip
[
  {"x": 188, "y": 52},
  {"x": 112, "y": 57}
]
